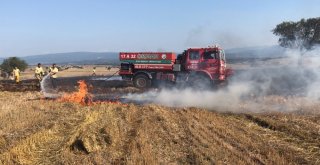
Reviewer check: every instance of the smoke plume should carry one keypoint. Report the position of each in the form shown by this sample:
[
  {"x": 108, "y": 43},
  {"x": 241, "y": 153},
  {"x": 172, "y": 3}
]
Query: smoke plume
[{"x": 257, "y": 89}]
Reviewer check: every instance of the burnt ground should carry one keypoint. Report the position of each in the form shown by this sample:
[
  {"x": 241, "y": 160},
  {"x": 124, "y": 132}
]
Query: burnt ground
[
  {"x": 66, "y": 84},
  {"x": 25, "y": 85}
]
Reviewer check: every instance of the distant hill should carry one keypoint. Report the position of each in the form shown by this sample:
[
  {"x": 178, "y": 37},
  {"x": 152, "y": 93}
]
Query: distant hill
[{"x": 74, "y": 58}]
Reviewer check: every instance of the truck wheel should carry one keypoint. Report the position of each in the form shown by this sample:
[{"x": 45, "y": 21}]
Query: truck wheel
[
  {"x": 141, "y": 81},
  {"x": 200, "y": 82}
]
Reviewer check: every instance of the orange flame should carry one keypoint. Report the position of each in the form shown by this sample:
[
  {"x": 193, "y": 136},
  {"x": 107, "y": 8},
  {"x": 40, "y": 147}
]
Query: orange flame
[{"x": 82, "y": 96}]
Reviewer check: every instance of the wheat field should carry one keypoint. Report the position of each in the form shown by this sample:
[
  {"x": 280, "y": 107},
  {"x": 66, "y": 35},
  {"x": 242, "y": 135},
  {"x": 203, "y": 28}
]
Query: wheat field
[{"x": 39, "y": 131}]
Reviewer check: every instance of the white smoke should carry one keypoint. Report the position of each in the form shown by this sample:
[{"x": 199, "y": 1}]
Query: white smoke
[
  {"x": 310, "y": 60},
  {"x": 299, "y": 78},
  {"x": 193, "y": 98},
  {"x": 313, "y": 63}
]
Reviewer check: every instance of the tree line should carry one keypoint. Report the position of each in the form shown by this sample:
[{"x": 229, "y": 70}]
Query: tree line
[
  {"x": 303, "y": 34},
  {"x": 11, "y": 62}
]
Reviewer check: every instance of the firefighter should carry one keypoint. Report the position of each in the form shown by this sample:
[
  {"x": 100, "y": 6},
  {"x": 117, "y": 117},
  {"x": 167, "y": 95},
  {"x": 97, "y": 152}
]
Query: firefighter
[
  {"x": 53, "y": 75},
  {"x": 16, "y": 74},
  {"x": 38, "y": 72},
  {"x": 94, "y": 71}
]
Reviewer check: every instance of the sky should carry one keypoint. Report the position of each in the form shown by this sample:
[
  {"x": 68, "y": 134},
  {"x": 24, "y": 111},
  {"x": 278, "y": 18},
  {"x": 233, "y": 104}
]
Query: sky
[{"x": 31, "y": 27}]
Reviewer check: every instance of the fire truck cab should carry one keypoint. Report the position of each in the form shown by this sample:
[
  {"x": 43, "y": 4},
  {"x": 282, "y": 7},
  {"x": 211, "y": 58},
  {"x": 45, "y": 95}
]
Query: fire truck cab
[{"x": 206, "y": 61}]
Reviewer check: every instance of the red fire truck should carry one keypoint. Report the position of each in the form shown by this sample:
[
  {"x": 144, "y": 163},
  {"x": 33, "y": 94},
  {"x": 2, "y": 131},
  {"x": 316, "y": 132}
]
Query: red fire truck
[{"x": 195, "y": 66}]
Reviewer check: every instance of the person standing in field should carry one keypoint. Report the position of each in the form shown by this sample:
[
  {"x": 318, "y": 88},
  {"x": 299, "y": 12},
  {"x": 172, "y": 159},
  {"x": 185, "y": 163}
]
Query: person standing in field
[
  {"x": 94, "y": 71},
  {"x": 39, "y": 72},
  {"x": 16, "y": 74},
  {"x": 53, "y": 75}
]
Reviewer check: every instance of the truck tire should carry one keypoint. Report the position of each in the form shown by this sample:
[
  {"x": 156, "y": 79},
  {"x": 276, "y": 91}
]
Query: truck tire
[
  {"x": 141, "y": 81},
  {"x": 200, "y": 82}
]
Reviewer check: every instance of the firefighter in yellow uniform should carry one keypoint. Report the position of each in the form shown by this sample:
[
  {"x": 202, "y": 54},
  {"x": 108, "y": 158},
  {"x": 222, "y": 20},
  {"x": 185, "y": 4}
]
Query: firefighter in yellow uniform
[
  {"x": 16, "y": 74},
  {"x": 38, "y": 72},
  {"x": 94, "y": 71},
  {"x": 53, "y": 75}
]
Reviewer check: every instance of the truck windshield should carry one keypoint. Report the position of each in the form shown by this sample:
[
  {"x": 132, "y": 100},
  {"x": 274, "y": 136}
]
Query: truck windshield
[
  {"x": 194, "y": 55},
  {"x": 211, "y": 55}
]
